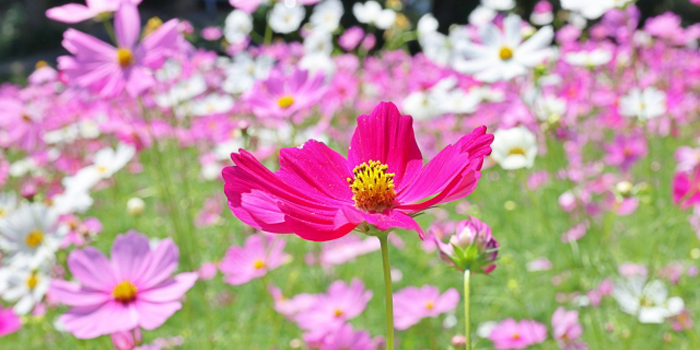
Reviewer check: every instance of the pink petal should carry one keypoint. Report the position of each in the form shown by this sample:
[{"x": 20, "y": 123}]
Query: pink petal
[
  {"x": 86, "y": 46},
  {"x": 93, "y": 269},
  {"x": 160, "y": 265},
  {"x": 127, "y": 25},
  {"x": 129, "y": 254},
  {"x": 153, "y": 315},
  {"x": 74, "y": 294},
  {"x": 70, "y": 13},
  {"x": 93, "y": 321},
  {"x": 170, "y": 290}
]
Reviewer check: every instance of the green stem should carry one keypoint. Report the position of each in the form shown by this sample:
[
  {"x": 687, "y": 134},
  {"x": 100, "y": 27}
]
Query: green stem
[
  {"x": 110, "y": 31},
  {"x": 387, "y": 293},
  {"x": 467, "y": 319},
  {"x": 268, "y": 35},
  {"x": 433, "y": 335}
]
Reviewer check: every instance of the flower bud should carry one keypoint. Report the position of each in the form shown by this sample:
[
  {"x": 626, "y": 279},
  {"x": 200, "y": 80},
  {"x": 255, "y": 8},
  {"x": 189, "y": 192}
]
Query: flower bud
[
  {"x": 135, "y": 206},
  {"x": 624, "y": 189},
  {"x": 471, "y": 247}
]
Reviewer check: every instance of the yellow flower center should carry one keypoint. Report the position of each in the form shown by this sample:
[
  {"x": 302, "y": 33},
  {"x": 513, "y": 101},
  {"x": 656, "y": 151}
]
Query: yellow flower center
[
  {"x": 41, "y": 64},
  {"x": 505, "y": 53},
  {"x": 337, "y": 313},
  {"x": 429, "y": 305},
  {"x": 34, "y": 238},
  {"x": 101, "y": 169},
  {"x": 2, "y": 212},
  {"x": 259, "y": 264},
  {"x": 516, "y": 151},
  {"x": 32, "y": 281},
  {"x": 285, "y": 101},
  {"x": 125, "y": 56},
  {"x": 646, "y": 302},
  {"x": 152, "y": 24},
  {"x": 515, "y": 336},
  {"x": 125, "y": 291},
  {"x": 372, "y": 187}
]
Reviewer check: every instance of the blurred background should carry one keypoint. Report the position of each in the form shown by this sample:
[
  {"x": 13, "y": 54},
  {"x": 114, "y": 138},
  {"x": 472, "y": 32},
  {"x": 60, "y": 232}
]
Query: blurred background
[{"x": 27, "y": 36}]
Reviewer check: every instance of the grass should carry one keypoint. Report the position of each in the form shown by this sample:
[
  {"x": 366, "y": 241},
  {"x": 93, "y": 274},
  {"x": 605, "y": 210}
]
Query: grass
[{"x": 220, "y": 316}]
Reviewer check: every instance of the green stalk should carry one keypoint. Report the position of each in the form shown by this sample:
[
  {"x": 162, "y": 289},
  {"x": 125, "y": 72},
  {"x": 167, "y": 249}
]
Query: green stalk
[
  {"x": 467, "y": 319},
  {"x": 387, "y": 292},
  {"x": 268, "y": 35}
]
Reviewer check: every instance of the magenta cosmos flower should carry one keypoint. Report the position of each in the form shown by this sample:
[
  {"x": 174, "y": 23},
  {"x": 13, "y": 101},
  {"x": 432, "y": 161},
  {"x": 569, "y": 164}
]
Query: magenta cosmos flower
[
  {"x": 9, "y": 321},
  {"x": 110, "y": 70},
  {"x": 133, "y": 289},
  {"x": 320, "y": 195},
  {"x": 470, "y": 247},
  {"x": 344, "y": 301},
  {"x": 510, "y": 334},
  {"x": 281, "y": 96},
  {"x": 412, "y": 304},
  {"x": 249, "y": 6},
  {"x": 74, "y": 13},
  {"x": 686, "y": 188},
  {"x": 254, "y": 259},
  {"x": 347, "y": 338}
]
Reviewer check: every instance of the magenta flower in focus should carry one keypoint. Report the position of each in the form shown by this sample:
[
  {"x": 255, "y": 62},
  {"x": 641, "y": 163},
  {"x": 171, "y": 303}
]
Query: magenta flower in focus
[
  {"x": 281, "y": 96},
  {"x": 259, "y": 254},
  {"x": 110, "y": 70},
  {"x": 567, "y": 330},
  {"x": 517, "y": 335},
  {"x": 132, "y": 289},
  {"x": 9, "y": 321},
  {"x": 347, "y": 338},
  {"x": 471, "y": 247},
  {"x": 320, "y": 195},
  {"x": 412, "y": 304},
  {"x": 74, "y": 13}
]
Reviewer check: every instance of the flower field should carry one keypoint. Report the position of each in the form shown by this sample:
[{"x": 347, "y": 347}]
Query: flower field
[{"x": 320, "y": 175}]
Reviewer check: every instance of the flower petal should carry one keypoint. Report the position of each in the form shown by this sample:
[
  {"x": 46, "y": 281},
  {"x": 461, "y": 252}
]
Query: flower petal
[{"x": 93, "y": 269}]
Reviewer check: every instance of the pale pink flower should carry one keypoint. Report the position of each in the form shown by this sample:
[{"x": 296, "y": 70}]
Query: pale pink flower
[
  {"x": 259, "y": 254},
  {"x": 74, "y": 13},
  {"x": 510, "y": 334},
  {"x": 341, "y": 303},
  {"x": 412, "y": 304},
  {"x": 567, "y": 330},
  {"x": 347, "y": 338}
]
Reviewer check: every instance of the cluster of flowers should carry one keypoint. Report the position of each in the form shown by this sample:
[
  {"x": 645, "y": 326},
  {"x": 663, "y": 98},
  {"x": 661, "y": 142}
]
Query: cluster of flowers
[{"x": 499, "y": 71}]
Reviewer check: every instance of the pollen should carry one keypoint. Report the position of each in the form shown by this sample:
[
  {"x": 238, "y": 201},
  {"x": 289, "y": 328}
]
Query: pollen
[
  {"x": 32, "y": 281},
  {"x": 338, "y": 313},
  {"x": 259, "y": 264},
  {"x": 506, "y": 53},
  {"x": 516, "y": 151},
  {"x": 372, "y": 188},
  {"x": 125, "y": 56},
  {"x": 285, "y": 101},
  {"x": 429, "y": 305},
  {"x": 101, "y": 169},
  {"x": 34, "y": 238},
  {"x": 41, "y": 64},
  {"x": 3, "y": 212},
  {"x": 515, "y": 336},
  {"x": 125, "y": 291}
]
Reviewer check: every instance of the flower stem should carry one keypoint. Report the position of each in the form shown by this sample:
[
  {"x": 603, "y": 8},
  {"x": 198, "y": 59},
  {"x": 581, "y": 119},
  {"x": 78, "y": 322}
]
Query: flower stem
[
  {"x": 268, "y": 35},
  {"x": 467, "y": 319},
  {"x": 387, "y": 293}
]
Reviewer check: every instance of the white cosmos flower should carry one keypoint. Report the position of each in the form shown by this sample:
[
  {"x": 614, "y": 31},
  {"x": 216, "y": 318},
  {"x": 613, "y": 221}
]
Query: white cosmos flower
[
  {"x": 549, "y": 107},
  {"x": 420, "y": 105},
  {"x": 286, "y": 19},
  {"x": 23, "y": 286},
  {"x": 237, "y": 26},
  {"x": 593, "y": 58},
  {"x": 242, "y": 74},
  {"x": 499, "y": 5},
  {"x": 182, "y": 91},
  {"x": 326, "y": 15},
  {"x": 29, "y": 236},
  {"x": 592, "y": 9},
  {"x": 316, "y": 62},
  {"x": 319, "y": 41},
  {"x": 372, "y": 13},
  {"x": 514, "y": 148},
  {"x": 648, "y": 301},
  {"x": 212, "y": 104},
  {"x": 482, "y": 15},
  {"x": 8, "y": 203},
  {"x": 427, "y": 25},
  {"x": 643, "y": 104},
  {"x": 108, "y": 161},
  {"x": 502, "y": 55}
]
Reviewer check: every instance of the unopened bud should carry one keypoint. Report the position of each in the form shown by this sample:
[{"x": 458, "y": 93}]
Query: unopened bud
[{"x": 135, "y": 206}]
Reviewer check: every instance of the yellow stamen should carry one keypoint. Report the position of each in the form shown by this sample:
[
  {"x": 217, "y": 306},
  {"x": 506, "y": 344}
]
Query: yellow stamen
[
  {"x": 429, "y": 305},
  {"x": 515, "y": 336},
  {"x": 152, "y": 24},
  {"x": 32, "y": 281},
  {"x": 337, "y": 313},
  {"x": 41, "y": 64},
  {"x": 372, "y": 187},
  {"x": 505, "y": 53},
  {"x": 125, "y": 56},
  {"x": 285, "y": 101},
  {"x": 34, "y": 238},
  {"x": 125, "y": 291},
  {"x": 516, "y": 151},
  {"x": 2, "y": 212},
  {"x": 101, "y": 169},
  {"x": 259, "y": 264}
]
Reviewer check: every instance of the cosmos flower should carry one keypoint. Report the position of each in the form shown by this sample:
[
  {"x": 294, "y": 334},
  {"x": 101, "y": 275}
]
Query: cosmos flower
[
  {"x": 343, "y": 301},
  {"x": 686, "y": 188},
  {"x": 133, "y": 289},
  {"x": 74, "y": 13},
  {"x": 285, "y": 19},
  {"x": 281, "y": 96},
  {"x": 371, "y": 12},
  {"x": 412, "y": 304},
  {"x": 24, "y": 286},
  {"x": 28, "y": 236},
  {"x": 626, "y": 150},
  {"x": 9, "y": 321},
  {"x": 510, "y": 334},
  {"x": 502, "y": 54},
  {"x": 514, "y": 148},
  {"x": 644, "y": 104},
  {"x": 110, "y": 70},
  {"x": 320, "y": 195},
  {"x": 259, "y": 255},
  {"x": 347, "y": 338},
  {"x": 649, "y": 302},
  {"x": 567, "y": 330}
]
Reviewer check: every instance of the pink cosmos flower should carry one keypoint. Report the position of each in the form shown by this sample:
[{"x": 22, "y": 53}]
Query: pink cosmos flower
[
  {"x": 74, "y": 13},
  {"x": 249, "y": 6},
  {"x": 412, "y": 304},
  {"x": 510, "y": 334},
  {"x": 259, "y": 254},
  {"x": 575, "y": 233},
  {"x": 281, "y": 96},
  {"x": 341, "y": 303},
  {"x": 626, "y": 150},
  {"x": 133, "y": 289},
  {"x": 212, "y": 33},
  {"x": 320, "y": 195},
  {"x": 347, "y": 338},
  {"x": 567, "y": 330},
  {"x": 471, "y": 246},
  {"x": 109, "y": 70},
  {"x": 686, "y": 188},
  {"x": 23, "y": 122},
  {"x": 126, "y": 340},
  {"x": 208, "y": 270},
  {"x": 9, "y": 321},
  {"x": 346, "y": 248},
  {"x": 291, "y": 307},
  {"x": 76, "y": 232},
  {"x": 687, "y": 158},
  {"x": 351, "y": 38}
]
